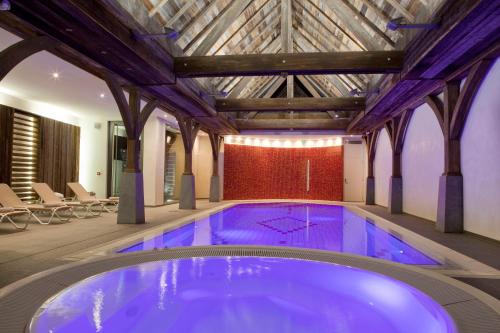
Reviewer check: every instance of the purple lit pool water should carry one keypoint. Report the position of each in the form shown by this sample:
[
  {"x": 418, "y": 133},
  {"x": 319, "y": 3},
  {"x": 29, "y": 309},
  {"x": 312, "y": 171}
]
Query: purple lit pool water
[
  {"x": 313, "y": 226},
  {"x": 244, "y": 295}
]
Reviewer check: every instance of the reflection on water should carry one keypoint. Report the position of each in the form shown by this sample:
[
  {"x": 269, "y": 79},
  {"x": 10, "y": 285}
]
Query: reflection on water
[
  {"x": 244, "y": 295},
  {"x": 314, "y": 226}
]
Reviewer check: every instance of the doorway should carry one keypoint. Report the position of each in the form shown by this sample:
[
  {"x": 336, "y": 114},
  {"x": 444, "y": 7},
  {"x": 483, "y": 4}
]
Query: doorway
[{"x": 354, "y": 171}]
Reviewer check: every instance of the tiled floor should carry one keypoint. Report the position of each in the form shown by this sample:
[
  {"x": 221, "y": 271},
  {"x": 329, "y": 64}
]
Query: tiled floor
[
  {"x": 23, "y": 253},
  {"x": 42, "y": 247},
  {"x": 477, "y": 247}
]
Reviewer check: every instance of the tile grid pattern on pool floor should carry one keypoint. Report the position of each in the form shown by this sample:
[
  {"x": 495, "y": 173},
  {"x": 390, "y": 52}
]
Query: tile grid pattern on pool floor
[{"x": 302, "y": 225}]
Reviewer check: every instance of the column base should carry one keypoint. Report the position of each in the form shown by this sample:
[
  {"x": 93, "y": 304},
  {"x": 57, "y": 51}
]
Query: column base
[
  {"x": 214, "y": 189},
  {"x": 450, "y": 214},
  {"x": 370, "y": 191},
  {"x": 187, "y": 199},
  {"x": 131, "y": 206},
  {"x": 396, "y": 195}
]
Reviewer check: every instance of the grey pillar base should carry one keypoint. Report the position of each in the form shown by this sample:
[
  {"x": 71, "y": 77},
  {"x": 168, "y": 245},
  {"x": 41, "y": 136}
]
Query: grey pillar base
[
  {"x": 396, "y": 195},
  {"x": 370, "y": 191},
  {"x": 131, "y": 206},
  {"x": 214, "y": 189},
  {"x": 450, "y": 214},
  {"x": 187, "y": 199}
]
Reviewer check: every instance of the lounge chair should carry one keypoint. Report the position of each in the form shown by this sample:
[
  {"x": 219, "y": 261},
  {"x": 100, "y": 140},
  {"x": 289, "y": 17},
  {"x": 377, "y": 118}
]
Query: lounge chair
[
  {"x": 83, "y": 196},
  {"x": 49, "y": 197},
  {"x": 6, "y": 214},
  {"x": 8, "y": 198}
]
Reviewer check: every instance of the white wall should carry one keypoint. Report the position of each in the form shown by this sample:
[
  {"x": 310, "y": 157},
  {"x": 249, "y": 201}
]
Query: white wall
[
  {"x": 481, "y": 159},
  {"x": 382, "y": 168},
  {"x": 93, "y": 142},
  {"x": 202, "y": 166},
  {"x": 153, "y": 165},
  {"x": 422, "y": 164}
]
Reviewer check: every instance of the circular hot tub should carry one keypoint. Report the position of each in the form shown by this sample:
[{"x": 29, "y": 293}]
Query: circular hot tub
[
  {"x": 241, "y": 294},
  {"x": 243, "y": 289}
]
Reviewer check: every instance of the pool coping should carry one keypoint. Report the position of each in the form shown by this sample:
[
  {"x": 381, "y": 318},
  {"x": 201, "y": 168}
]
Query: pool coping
[
  {"x": 453, "y": 263},
  {"x": 471, "y": 309}
]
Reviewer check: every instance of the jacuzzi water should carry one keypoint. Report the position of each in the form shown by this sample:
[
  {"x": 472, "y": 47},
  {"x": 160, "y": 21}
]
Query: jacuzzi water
[
  {"x": 314, "y": 226},
  {"x": 244, "y": 295}
]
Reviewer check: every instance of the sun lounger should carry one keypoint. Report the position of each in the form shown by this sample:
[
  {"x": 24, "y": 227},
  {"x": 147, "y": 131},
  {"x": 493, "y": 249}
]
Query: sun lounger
[
  {"x": 8, "y": 198},
  {"x": 49, "y": 197},
  {"x": 6, "y": 214},
  {"x": 83, "y": 196}
]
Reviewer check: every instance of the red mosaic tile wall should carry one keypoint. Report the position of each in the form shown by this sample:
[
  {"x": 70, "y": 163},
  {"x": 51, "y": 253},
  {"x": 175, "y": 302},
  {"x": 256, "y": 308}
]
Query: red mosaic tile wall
[{"x": 280, "y": 173}]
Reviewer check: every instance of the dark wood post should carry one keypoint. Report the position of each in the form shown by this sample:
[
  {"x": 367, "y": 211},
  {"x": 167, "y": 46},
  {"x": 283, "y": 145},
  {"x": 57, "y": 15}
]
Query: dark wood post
[
  {"x": 189, "y": 129},
  {"x": 131, "y": 207},
  {"x": 451, "y": 115},
  {"x": 396, "y": 128},
  {"x": 371, "y": 144},
  {"x": 215, "y": 142}
]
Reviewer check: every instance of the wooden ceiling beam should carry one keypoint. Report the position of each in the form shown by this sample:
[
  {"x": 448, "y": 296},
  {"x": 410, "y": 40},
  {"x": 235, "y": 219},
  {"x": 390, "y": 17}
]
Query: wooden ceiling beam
[
  {"x": 276, "y": 64},
  {"x": 292, "y": 124},
  {"x": 290, "y": 104}
]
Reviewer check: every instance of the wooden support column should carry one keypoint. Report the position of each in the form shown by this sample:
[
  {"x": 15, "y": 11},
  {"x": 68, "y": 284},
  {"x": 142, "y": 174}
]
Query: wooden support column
[
  {"x": 451, "y": 115},
  {"x": 371, "y": 144},
  {"x": 396, "y": 128},
  {"x": 131, "y": 207},
  {"x": 14, "y": 54},
  {"x": 189, "y": 129},
  {"x": 215, "y": 142}
]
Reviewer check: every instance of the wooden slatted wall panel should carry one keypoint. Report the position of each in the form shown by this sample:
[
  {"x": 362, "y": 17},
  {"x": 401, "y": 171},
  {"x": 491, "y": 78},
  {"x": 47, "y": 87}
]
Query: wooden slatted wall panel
[
  {"x": 25, "y": 149},
  {"x": 6, "y": 116},
  {"x": 59, "y": 154}
]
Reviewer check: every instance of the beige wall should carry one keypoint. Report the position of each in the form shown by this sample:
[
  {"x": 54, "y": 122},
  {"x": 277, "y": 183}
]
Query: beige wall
[{"x": 202, "y": 165}]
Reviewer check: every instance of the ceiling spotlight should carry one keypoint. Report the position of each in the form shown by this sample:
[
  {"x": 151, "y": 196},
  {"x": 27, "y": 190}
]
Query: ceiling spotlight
[
  {"x": 55, "y": 75},
  {"x": 397, "y": 23},
  {"x": 102, "y": 95},
  {"x": 167, "y": 33},
  {"x": 5, "y": 5}
]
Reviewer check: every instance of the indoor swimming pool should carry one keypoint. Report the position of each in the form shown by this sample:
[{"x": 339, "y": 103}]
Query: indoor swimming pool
[
  {"x": 241, "y": 294},
  {"x": 301, "y": 225}
]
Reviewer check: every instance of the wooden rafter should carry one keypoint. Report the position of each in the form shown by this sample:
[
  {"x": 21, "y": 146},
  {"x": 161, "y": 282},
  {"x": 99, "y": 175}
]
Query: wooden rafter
[
  {"x": 291, "y": 104},
  {"x": 196, "y": 19},
  {"x": 397, "y": 5},
  {"x": 235, "y": 8},
  {"x": 249, "y": 20},
  {"x": 292, "y": 124},
  {"x": 180, "y": 12},
  {"x": 341, "y": 11},
  {"x": 328, "y": 18},
  {"x": 156, "y": 8},
  {"x": 276, "y": 64}
]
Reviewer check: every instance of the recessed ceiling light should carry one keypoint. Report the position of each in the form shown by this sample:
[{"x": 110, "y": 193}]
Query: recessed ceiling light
[
  {"x": 102, "y": 95},
  {"x": 55, "y": 75}
]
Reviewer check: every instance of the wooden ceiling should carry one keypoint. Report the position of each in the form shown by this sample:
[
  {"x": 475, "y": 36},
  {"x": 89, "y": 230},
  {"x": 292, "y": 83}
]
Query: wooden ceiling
[
  {"x": 102, "y": 37},
  {"x": 227, "y": 27}
]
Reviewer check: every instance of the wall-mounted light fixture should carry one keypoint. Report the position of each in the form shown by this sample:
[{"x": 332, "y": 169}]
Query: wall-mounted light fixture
[
  {"x": 5, "y": 5},
  {"x": 168, "y": 33},
  {"x": 397, "y": 23}
]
